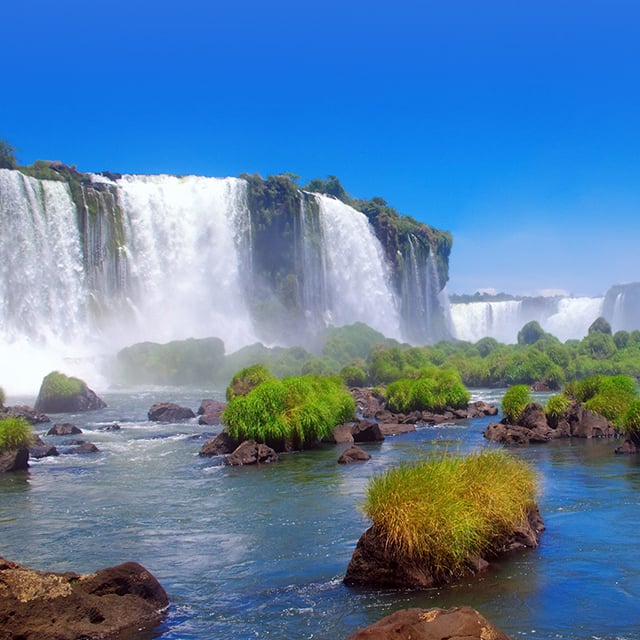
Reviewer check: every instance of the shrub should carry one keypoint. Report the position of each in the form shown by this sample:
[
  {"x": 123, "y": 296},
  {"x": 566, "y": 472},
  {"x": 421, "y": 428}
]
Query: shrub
[
  {"x": 15, "y": 433},
  {"x": 246, "y": 380},
  {"x": 614, "y": 395},
  {"x": 432, "y": 390},
  {"x": 301, "y": 409},
  {"x": 59, "y": 384},
  {"x": 353, "y": 376},
  {"x": 3, "y": 397},
  {"x": 448, "y": 508},
  {"x": 515, "y": 399},
  {"x": 530, "y": 333},
  {"x": 557, "y": 405},
  {"x": 631, "y": 420}
]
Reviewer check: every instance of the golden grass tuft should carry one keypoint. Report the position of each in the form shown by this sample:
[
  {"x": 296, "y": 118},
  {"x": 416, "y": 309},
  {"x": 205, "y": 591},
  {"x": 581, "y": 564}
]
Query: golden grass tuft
[{"x": 447, "y": 509}]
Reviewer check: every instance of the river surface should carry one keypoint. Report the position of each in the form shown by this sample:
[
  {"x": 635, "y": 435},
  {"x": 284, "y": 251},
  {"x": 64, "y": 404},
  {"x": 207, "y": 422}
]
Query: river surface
[{"x": 261, "y": 552}]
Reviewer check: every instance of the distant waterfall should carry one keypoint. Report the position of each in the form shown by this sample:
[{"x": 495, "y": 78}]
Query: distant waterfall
[
  {"x": 472, "y": 321},
  {"x": 359, "y": 280}
]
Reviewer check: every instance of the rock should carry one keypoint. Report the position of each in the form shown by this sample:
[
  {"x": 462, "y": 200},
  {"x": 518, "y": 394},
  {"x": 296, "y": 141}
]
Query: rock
[
  {"x": 53, "y": 606},
  {"x": 110, "y": 427},
  {"x": 584, "y": 423},
  {"x": 375, "y": 563},
  {"x": 38, "y": 451},
  {"x": 459, "y": 623},
  {"x": 169, "y": 412},
  {"x": 367, "y": 403},
  {"x": 340, "y": 435},
  {"x": 82, "y": 447},
  {"x": 630, "y": 445},
  {"x": 210, "y": 411},
  {"x": 479, "y": 409},
  {"x": 219, "y": 445},
  {"x": 63, "y": 394},
  {"x": 354, "y": 454},
  {"x": 28, "y": 413},
  {"x": 365, "y": 431},
  {"x": 63, "y": 429},
  {"x": 391, "y": 429},
  {"x": 14, "y": 460},
  {"x": 251, "y": 452}
]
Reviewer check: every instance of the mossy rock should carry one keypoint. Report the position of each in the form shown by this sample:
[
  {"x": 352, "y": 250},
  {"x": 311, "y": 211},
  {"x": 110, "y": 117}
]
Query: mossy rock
[{"x": 63, "y": 394}]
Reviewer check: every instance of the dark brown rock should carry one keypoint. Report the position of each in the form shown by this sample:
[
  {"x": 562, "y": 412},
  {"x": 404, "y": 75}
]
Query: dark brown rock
[
  {"x": 14, "y": 460},
  {"x": 354, "y": 454},
  {"x": 83, "y": 447},
  {"x": 459, "y": 623},
  {"x": 210, "y": 411},
  {"x": 38, "y": 451},
  {"x": 367, "y": 403},
  {"x": 340, "y": 435},
  {"x": 391, "y": 429},
  {"x": 219, "y": 445},
  {"x": 28, "y": 413},
  {"x": 479, "y": 409},
  {"x": 584, "y": 423},
  {"x": 169, "y": 412},
  {"x": 365, "y": 431},
  {"x": 37, "y": 605},
  {"x": 85, "y": 400},
  {"x": 630, "y": 445},
  {"x": 251, "y": 452},
  {"x": 63, "y": 429}
]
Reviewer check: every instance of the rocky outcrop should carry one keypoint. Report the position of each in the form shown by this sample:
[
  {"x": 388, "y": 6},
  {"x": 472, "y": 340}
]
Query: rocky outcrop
[
  {"x": 63, "y": 429},
  {"x": 535, "y": 426},
  {"x": 354, "y": 454},
  {"x": 36, "y": 605},
  {"x": 366, "y": 431},
  {"x": 28, "y": 413},
  {"x": 169, "y": 412},
  {"x": 14, "y": 460},
  {"x": 210, "y": 411},
  {"x": 63, "y": 394},
  {"x": 251, "y": 452},
  {"x": 219, "y": 445},
  {"x": 341, "y": 434},
  {"x": 375, "y": 563},
  {"x": 630, "y": 445},
  {"x": 460, "y": 623}
]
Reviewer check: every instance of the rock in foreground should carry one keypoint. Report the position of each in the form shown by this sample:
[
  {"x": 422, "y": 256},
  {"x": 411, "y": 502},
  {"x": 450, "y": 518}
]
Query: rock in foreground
[
  {"x": 36, "y": 605},
  {"x": 460, "y": 623}
]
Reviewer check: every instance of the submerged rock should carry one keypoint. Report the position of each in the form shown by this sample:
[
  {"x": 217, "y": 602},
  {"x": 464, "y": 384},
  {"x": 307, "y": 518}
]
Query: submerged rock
[
  {"x": 63, "y": 429},
  {"x": 354, "y": 454},
  {"x": 432, "y": 624},
  {"x": 37, "y": 605},
  {"x": 169, "y": 412}
]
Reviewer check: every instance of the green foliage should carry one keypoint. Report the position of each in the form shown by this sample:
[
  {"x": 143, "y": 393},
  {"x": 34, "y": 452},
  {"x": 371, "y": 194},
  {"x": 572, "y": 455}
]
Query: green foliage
[
  {"x": 3, "y": 397},
  {"x": 434, "y": 390},
  {"x": 600, "y": 325},
  {"x": 353, "y": 376},
  {"x": 15, "y": 433},
  {"x": 246, "y": 380},
  {"x": 7, "y": 156},
  {"x": 447, "y": 509},
  {"x": 300, "y": 409},
  {"x": 181, "y": 362},
  {"x": 345, "y": 344},
  {"x": 58, "y": 384},
  {"x": 514, "y": 401},
  {"x": 613, "y": 397},
  {"x": 631, "y": 419},
  {"x": 557, "y": 405},
  {"x": 530, "y": 333}
]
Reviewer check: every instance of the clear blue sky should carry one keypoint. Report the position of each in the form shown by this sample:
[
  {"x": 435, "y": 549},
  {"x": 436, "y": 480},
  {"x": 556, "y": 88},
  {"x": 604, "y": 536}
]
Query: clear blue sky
[{"x": 513, "y": 124}]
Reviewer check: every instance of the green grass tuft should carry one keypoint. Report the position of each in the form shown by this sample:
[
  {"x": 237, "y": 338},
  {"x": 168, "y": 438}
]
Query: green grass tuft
[
  {"x": 446, "y": 509},
  {"x": 514, "y": 401},
  {"x": 15, "y": 433}
]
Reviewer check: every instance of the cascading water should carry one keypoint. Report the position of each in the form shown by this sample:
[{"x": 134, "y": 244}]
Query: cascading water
[
  {"x": 573, "y": 318},
  {"x": 359, "y": 280}
]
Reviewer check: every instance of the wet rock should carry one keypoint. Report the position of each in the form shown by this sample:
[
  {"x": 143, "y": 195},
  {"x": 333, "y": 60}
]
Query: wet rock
[
  {"x": 110, "y": 427},
  {"x": 43, "y": 450},
  {"x": 219, "y": 445},
  {"x": 28, "y": 413},
  {"x": 63, "y": 394},
  {"x": 82, "y": 447},
  {"x": 432, "y": 624},
  {"x": 354, "y": 454},
  {"x": 251, "y": 452},
  {"x": 366, "y": 431},
  {"x": 169, "y": 412},
  {"x": 391, "y": 429},
  {"x": 210, "y": 411},
  {"x": 340, "y": 435},
  {"x": 630, "y": 445},
  {"x": 14, "y": 460},
  {"x": 63, "y": 429},
  {"x": 480, "y": 409},
  {"x": 54, "y": 606}
]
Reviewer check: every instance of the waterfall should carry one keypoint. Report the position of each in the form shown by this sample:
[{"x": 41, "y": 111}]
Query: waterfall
[
  {"x": 357, "y": 275},
  {"x": 573, "y": 318}
]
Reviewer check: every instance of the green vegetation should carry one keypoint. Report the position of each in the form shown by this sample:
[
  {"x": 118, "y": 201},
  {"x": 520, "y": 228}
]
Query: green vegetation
[
  {"x": 15, "y": 433},
  {"x": 57, "y": 384},
  {"x": 300, "y": 410},
  {"x": 7, "y": 155},
  {"x": 247, "y": 380},
  {"x": 3, "y": 397},
  {"x": 434, "y": 390},
  {"x": 631, "y": 420},
  {"x": 449, "y": 508},
  {"x": 514, "y": 401}
]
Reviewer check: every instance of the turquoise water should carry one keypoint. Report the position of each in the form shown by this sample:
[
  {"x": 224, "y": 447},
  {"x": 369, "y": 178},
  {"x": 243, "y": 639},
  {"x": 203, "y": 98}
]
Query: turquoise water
[{"x": 260, "y": 552}]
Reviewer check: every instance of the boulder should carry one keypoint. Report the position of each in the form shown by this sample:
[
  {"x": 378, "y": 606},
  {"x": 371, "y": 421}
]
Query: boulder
[
  {"x": 367, "y": 403},
  {"x": 459, "y": 623},
  {"x": 251, "y": 452},
  {"x": 110, "y": 427},
  {"x": 14, "y": 460},
  {"x": 28, "y": 413},
  {"x": 391, "y": 429},
  {"x": 169, "y": 412},
  {"x": 63, "y": 429},
  {"x": 375, "y": 563},
  {"x": 219, "y": 445},
  {"x": 82, "y": 447},
  {"x": 63, "y": 394},
  {"x": 43, "y": 450},
  {"x": 54, "y": 606},
  {"x": 630, "y": 445},
  {"x": 366, "y": 431},
  {"x": 584, "y": 423},
  {"x": 340, "y": 435},
  {"x": 210, "y": 411},
  {"x": 354, "y": 454},
  {"x": 479, "y": 409}
]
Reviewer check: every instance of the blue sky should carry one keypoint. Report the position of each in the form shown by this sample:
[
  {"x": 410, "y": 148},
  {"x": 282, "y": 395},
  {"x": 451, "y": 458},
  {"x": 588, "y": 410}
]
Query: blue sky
[{"x": 513, "y": 124}]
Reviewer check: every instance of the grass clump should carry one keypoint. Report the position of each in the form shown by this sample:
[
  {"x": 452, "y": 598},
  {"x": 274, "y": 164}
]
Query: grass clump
[
  {"x": 557, "y": 405},
  {"x": 58, "y": 384},
  {"x": 299, "y": 409},
  {"x": 631, "y": 420},
  {"x": 246, "y": 380},
  {"x": 15, "y": 433},
  {"x": 433, "y": 390},
  {"x": 514, "y": 401},
  {"x": 449, "y": 508}
]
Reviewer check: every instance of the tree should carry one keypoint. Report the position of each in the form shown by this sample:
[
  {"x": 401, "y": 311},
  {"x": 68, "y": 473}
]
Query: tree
[
  {"x": 600, "y": 325},
  {"x": 530, "y": 333},
  {"x": 7, "y": 156}
]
